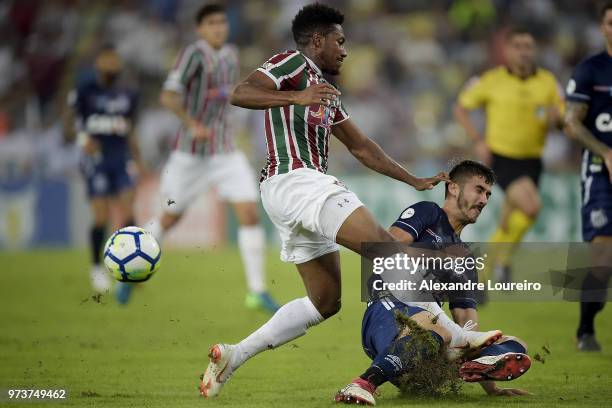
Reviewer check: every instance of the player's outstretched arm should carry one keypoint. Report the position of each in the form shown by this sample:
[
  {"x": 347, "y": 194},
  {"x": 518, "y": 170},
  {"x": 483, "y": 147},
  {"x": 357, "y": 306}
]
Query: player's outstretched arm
[
  {"x": 258, "y": 91},
  {"x": 575, "y": 129},
  {"x": 372, "y": 156}
]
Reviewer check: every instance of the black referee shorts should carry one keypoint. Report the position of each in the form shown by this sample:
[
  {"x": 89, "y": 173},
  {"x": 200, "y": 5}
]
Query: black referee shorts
[{"x": 508, "y": 170}]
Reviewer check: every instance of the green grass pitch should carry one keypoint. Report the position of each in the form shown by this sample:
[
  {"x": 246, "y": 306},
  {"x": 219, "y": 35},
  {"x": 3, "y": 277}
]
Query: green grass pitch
[{"x": 150, "y": 354}]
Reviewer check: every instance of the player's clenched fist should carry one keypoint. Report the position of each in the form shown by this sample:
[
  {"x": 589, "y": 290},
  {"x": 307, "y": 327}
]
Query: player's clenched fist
[{"x": 318, "y": 94}]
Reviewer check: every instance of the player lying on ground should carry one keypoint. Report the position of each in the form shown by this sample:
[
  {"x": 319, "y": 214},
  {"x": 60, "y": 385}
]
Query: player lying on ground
[
  {"x": 499, "y": 358},
  {"x": 312, "y": 211}
]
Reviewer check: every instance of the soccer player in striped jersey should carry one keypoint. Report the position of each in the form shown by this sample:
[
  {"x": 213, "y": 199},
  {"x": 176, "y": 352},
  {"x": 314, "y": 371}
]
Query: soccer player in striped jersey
[
  {"x": 197, "y": 91},
  {"x": 313, "y": 211}
]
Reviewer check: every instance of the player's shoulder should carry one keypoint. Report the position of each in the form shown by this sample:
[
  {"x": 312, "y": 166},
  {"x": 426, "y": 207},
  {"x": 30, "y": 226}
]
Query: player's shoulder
[
  {"x": 419, "y": 209},
  {"x": 547, "y": 76},
  {"x": 230, "y": 50},
  {"x": 87, "y": 86},
  {"x": 592, "y": 62},
  {"x": 284, "y": 57},
  {"x": 483, "y": 77},
  {"x": 494, "y": 73},
  {"x": 191, "y": 48}
]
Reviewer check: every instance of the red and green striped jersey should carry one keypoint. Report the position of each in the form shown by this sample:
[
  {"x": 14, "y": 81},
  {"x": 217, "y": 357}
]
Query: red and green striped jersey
[
  {"x": 205, "y": 76},
  {"x": 297, "y": 136}
]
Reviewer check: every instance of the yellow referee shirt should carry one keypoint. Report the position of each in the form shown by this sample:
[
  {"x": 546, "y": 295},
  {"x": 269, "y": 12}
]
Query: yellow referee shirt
[{"x": 516, "y": 109}]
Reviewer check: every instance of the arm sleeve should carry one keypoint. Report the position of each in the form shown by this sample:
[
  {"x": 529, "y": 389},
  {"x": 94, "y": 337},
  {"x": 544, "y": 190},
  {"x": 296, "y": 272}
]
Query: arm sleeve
[
  {"x": 187, "y": 64},
  {"x": 579, "y": 88},
  {"x": 474, "y": 94},
  {"x": 284, "y": 69},
  {"x": 341, "y": 114},
  {"x": 416, "y": 218}
]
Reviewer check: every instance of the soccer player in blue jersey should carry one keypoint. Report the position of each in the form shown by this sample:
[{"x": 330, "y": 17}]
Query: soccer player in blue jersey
[
  {"x": 589, "y": 121},
  {"x": 101, "y": 119},
  {"x": 499, "y": 358}
]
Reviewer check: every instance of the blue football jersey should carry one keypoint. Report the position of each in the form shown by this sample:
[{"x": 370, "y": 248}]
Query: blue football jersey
[
  {"x": 591, "y": 84},
  {"x": 107, "y": 114},
  {"x": 428, "y": 224}
]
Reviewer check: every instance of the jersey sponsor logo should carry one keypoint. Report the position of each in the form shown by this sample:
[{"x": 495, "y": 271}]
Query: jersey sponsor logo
[
  {"x": 599, "y": 219},
  {"x": 571, "y": 87},
  {"x": 603, "y": 122},
  {"x": 119, "y": 104},
  {"x": 323, "y": 116},
  {"x": 107, "y": 125},
  {"x": 409, "y": 212}
]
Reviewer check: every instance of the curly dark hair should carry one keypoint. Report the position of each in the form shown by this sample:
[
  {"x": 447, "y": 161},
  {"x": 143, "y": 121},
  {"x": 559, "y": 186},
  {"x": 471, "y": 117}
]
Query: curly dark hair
[
  {"x": 468, "y": 168},
  {"x": 314, "y": 18}
]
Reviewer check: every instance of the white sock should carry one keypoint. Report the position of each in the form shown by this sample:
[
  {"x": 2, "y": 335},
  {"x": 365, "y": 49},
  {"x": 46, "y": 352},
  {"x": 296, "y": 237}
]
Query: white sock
[
  {"x": 155, "y": 228},
  {"x": 456, "y": 331},
  {"x": 251, "y": 242},
  {"x": 289, "y": 322}
]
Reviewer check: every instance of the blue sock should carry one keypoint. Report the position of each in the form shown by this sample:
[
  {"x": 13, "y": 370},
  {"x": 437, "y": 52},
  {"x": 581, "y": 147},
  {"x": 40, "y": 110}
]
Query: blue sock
[
  {"x": 510, "y": 346},
  {"x": 398, "y": 358}
]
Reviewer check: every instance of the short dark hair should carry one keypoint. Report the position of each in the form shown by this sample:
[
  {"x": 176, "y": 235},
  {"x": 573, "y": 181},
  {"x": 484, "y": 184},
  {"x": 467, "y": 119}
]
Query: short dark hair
[
  {"x": 604, "y": 9},
  {"x": 314, "y": 18},
  {"x": 469, "y": 168},
  {"x": 207, "y": 10},
  {"x": 518, "y": 30}
]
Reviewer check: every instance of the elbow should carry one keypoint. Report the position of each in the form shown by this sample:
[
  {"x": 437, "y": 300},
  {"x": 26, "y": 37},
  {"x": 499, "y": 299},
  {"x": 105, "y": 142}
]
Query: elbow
[
  {"x": 569, "y": 128},
  {"x": 361, "y": 155},
  {"x": 235, "y": 96}
]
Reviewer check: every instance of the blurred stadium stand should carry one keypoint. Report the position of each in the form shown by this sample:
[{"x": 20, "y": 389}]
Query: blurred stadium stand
[{"x": 407, "y": 61}]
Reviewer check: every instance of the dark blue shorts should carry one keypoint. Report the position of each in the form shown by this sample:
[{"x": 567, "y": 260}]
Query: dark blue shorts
[
  {"x": 105, "y": 177},
  {"x": 379, "y": 327},
  {"x": 597, "y": 212}
]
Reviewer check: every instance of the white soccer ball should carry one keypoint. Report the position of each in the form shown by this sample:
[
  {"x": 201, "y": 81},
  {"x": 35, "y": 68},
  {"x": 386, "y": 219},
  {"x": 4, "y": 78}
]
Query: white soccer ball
[{"x": 132, "y": 254}]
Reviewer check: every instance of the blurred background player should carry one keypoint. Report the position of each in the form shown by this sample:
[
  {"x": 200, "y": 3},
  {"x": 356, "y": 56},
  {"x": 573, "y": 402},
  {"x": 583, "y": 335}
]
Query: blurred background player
[
  {"x": 589, "y": 121},
  {"x": 197, "y": 91},
  {"x": 101, "y": 117},
  {"x": 521, "y": 102},
  {"x": 391, "y": 351}
]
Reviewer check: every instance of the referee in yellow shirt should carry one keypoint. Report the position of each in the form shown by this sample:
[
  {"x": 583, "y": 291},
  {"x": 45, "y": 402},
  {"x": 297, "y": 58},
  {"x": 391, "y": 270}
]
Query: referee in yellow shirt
[{"x": 521, "y": 102}]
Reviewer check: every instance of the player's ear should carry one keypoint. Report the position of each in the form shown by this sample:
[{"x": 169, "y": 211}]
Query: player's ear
[
  {"x": 453, "y": 188},
  {"x": 317, "y": 40}
]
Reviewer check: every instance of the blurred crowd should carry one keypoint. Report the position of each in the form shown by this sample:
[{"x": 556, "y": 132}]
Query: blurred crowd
[{"x": 407, "y": 61}]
